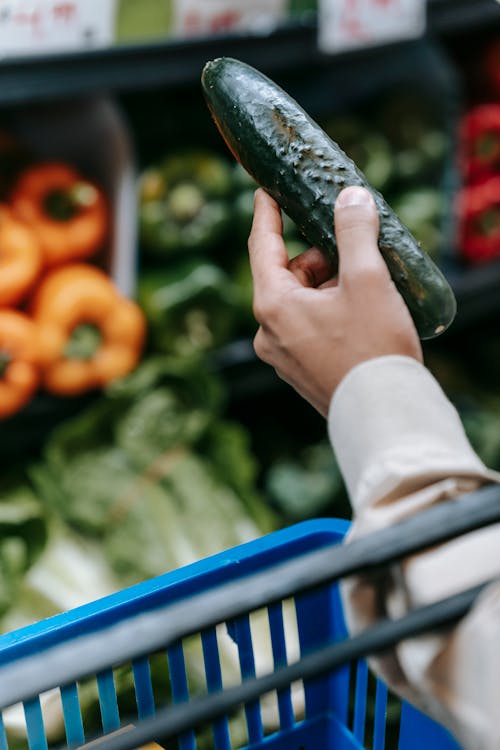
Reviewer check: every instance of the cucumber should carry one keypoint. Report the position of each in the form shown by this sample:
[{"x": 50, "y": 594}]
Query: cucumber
[{"x": 304, "y": 170}]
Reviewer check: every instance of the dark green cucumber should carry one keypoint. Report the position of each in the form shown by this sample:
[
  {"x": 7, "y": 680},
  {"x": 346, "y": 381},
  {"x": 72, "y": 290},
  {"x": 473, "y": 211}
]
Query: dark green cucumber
[{"x": 297, "y": 163}]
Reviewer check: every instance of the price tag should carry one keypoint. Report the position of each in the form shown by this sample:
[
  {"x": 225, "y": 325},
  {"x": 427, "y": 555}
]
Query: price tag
[
  {"x": 351, "y": 24},
  {"x": 195, "y": 18},
  {"x": 34, "y": 27}
]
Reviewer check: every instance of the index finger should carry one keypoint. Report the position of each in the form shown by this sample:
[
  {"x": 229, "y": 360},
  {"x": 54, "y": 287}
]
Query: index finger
[{"x": 266, "y": 247}]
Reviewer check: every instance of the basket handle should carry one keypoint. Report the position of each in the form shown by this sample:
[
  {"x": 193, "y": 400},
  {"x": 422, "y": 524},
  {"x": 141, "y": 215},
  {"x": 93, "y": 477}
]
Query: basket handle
[{"x": 171, "y": 722}]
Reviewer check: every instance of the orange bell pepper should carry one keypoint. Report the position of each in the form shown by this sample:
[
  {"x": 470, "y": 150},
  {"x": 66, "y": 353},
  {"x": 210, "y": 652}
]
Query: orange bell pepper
[
  {"x": 20, "y": 259},
  {"x": 19, "y": 361},
  {"x": 90, "y": 333},
  {"x": 68, "y": 214}
]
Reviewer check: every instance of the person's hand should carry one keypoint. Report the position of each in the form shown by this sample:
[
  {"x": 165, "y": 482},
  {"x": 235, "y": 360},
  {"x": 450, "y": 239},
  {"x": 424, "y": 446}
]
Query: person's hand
[{"x": 315, "y": 328}]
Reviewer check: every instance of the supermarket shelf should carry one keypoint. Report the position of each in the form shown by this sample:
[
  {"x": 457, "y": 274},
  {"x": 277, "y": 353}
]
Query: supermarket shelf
[
  {"x": 169, "y": 65},
  {"x": 179, "y": 63},
  {"x": 446, "y": 16},
  {"x": 478, "y": 294},
  {"x": 478, "y": 298}
]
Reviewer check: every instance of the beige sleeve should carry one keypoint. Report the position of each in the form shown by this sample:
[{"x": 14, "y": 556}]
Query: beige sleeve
[{"x": 401, "y": 448}]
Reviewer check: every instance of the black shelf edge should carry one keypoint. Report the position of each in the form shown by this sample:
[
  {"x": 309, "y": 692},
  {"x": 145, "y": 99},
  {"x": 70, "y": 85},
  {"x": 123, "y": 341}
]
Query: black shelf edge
[
  {"x": 138, "y": 67},
  {"x": 179, "y": 63},
  {"x": 447, "y": 16},
  {"x": 477, "y": 290}
]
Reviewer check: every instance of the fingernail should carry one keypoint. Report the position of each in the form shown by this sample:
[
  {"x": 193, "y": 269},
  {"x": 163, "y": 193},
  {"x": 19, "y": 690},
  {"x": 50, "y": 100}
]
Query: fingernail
[{"x": 354, "y": 196}]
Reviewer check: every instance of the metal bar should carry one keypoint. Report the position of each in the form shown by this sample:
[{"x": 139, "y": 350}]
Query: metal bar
[{"x": 172, "y": 721}]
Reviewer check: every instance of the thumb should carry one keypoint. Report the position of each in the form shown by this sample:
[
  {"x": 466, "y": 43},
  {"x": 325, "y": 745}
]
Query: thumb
[{"x": 356, "y": 231}]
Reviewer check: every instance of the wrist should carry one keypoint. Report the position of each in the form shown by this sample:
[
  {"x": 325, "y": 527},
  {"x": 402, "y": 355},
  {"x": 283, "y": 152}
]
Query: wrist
[{"x": 368, "y": 365}]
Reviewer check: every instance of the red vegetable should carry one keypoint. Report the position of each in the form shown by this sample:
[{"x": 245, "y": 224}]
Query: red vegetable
[
  {"x": 479, "y": 220},
  {"x": 480, "y": 142}
]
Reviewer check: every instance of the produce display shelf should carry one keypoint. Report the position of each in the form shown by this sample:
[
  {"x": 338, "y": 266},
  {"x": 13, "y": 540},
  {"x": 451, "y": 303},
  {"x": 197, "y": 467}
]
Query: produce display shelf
[
  {"x": 178, "y": 63},
  {"x": 478, "y": 294},
  {"x": 139, "y": 67},
  {"x": 461, "y": 15}
]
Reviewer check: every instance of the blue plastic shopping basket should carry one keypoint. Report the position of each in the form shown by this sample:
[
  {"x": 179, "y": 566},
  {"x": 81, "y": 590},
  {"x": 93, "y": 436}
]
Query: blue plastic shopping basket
[{"x": 334, "y": 710}]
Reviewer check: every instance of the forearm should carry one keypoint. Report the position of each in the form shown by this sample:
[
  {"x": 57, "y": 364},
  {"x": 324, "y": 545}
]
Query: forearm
[{"x": 401, "y": 448}]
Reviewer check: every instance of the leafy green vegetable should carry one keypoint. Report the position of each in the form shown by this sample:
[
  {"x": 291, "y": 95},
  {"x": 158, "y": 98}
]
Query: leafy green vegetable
[
  {"x": 422, "y": 209},
  {"x": 146, "y": 537},
  {"x": 153, "y": 471},
  {"x": 179, "y": 515},
  {"x": 156, "y": 424},
  {"x": 307, "y": 486},
  {"x": 86, "y": 488},
  {"x": 147, "y": 479},
  {"x": 190, "y": 308},
  {"x": 481, "y": 423},
  {"x": 189, "y": 377},
  {"x": 227, "y": 448},
  {"x": 72, "y": 570},
  {"x": 23, "y": 533}
]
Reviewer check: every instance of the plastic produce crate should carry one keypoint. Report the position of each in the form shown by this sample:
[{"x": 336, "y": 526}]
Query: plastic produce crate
[
  {"x": 91, "y": 134},
  {"x": 334, "y": 709}
]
